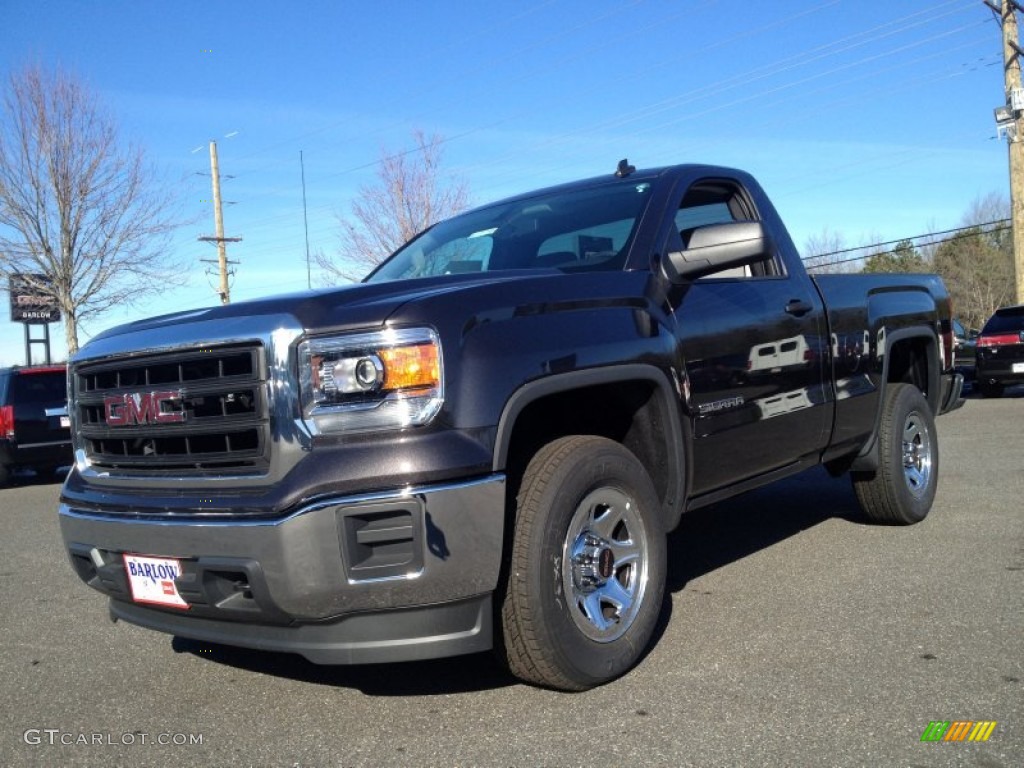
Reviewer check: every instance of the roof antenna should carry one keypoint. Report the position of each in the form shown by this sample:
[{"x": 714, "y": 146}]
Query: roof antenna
[{"x": 624, "y": 168}]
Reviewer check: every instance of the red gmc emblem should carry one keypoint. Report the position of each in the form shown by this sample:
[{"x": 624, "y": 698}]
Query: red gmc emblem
[{"x": 141, "y": 408}]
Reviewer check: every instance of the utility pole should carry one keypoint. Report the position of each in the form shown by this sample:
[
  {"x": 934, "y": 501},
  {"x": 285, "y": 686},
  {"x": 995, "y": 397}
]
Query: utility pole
[
  {"x": 218, "y": 221},
  {"x": 1013, "y": 124}
]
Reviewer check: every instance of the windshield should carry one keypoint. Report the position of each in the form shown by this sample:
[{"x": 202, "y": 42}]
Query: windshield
[{"x": 576, "y": 230}]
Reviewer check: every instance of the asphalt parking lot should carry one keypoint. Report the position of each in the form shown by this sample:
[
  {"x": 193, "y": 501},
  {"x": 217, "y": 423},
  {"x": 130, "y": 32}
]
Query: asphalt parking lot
[{"x": 793, "y": 634}]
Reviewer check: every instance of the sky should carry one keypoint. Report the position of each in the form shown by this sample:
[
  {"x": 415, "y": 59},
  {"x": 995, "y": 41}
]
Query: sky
[{"x": 868, "y": 118}]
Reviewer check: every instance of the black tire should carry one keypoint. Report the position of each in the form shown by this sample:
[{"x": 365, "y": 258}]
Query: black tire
[
  {"x": 573, "y": 621},
  {"x": 902, "y": 490},
  {"x": 990, "y": 388},
  {"x": 5, "y": 475}
]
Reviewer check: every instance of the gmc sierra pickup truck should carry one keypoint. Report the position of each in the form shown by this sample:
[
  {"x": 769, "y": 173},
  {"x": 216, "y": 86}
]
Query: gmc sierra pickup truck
[{"x": 484, "y": 444}]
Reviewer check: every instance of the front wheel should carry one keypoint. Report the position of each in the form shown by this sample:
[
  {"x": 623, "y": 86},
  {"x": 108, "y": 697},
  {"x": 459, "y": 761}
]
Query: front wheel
[
  {"x": 902, "y": 489},
  {"x": 588, "y": 562}
]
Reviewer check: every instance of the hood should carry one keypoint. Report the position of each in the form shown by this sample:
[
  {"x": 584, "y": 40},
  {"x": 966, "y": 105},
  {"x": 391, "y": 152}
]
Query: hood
[
  {"x": 359, "y": 305},
  {"x": 364, "y": 305}
]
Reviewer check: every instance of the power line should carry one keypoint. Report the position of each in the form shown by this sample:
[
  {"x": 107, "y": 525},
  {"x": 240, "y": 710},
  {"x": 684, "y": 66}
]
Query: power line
[
  {"x": 642, "y": 71},
  {"x": 963, "y": 235},
  {"x": 479, "y": 33},
  {"x": 792, "y": 117},
  {"x": 902, "y": 239},
  {"x": 770, "y": 69},
  {"x": 546, "y": 70},
  {"x": 737, "y": 81},
  {"x": 897, "y": 26}
]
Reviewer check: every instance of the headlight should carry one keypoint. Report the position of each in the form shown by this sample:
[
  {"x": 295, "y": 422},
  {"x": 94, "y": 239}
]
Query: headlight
[{"x": 388, "y": 379}]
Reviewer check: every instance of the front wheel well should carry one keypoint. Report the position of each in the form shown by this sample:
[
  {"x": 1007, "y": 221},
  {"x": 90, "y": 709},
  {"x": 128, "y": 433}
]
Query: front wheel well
[{"x": 633, "y": 413}]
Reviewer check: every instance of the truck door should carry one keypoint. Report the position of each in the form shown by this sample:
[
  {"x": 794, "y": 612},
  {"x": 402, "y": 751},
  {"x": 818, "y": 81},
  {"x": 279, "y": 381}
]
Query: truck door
[{"x": 753, "y": 342}]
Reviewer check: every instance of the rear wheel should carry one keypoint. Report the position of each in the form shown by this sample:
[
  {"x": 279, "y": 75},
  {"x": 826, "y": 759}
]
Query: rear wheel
[
  {"x": 5, "y": 475},
  {"x": 587, "y": 574},
  {"x": 902, "y": 489}
]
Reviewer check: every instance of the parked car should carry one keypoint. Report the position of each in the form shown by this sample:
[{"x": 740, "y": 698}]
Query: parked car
[
  {"x": 34, "y": 428},
  {"x": 1001, "y": 351},
  {"x": 965, "y": 346}
]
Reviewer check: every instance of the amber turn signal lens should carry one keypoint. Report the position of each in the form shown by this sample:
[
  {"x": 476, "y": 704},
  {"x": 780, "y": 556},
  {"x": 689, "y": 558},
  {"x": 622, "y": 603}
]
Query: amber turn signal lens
[{"x": 411, "y": 367}]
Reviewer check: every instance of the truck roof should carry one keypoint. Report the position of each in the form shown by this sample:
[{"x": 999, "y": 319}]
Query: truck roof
[{"x": 669, "y": 172}]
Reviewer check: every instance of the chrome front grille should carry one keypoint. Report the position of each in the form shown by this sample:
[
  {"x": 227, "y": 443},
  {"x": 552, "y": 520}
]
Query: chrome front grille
[{"x": 200, "y": 411}]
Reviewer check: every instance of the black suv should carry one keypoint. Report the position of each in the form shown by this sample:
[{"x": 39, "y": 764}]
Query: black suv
[
  {"x": 1001, "y": 351},
  {"x": 34, "y": 428}
]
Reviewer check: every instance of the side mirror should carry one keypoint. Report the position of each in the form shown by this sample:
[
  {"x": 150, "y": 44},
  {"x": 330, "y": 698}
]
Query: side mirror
[{"x": 715, "y": 247}]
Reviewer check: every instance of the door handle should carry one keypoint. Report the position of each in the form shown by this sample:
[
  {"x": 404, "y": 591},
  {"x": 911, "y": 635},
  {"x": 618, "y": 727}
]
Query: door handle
[{"x": 798, "y": 308}]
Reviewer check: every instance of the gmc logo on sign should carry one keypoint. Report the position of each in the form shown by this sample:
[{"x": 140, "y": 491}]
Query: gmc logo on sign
[{"x": 141, "y": 408}]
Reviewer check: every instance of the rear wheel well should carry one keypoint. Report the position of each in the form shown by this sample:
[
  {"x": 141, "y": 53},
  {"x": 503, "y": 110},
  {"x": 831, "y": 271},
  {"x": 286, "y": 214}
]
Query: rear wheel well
[
  {"x": 911, "y": 361},
  {"x": 915, "y": 361}
]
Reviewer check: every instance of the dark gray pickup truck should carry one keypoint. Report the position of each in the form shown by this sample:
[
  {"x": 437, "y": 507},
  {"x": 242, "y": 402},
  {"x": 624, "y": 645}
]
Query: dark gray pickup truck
[{"x": 484, "y": 444}]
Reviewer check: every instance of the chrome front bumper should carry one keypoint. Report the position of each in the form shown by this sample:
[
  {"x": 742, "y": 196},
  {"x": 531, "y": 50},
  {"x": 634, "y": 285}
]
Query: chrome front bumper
[{"x": 382, "y": 577}]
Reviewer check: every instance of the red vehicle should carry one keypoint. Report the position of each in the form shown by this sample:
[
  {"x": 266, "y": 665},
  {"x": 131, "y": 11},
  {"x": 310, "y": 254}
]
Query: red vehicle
[{"x": 1001, "y": 351}]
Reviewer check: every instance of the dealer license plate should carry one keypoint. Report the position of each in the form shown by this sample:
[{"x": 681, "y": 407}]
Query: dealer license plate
[
  {"x": 1018, "y": 367},
  {"x": 152, "y": 580}
]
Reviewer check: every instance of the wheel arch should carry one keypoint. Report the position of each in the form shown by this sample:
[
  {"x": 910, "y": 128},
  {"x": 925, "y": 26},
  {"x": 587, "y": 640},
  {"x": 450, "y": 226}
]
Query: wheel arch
[
  {"x": 634, "y": 404},
  {"x": 911, "y": 356}
]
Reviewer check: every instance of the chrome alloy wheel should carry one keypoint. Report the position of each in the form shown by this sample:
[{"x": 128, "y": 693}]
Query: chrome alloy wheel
[
  {"x": 917, "y": 454},
  {"x": 605, "y": 564}
]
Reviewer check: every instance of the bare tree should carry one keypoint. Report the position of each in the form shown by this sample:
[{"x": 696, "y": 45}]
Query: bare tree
[
  {"x": 827, "y": 251},
  {"x": 977, "y": 264},
  {"x": 410, "y": 194},
  {"x": 75, "y": 204}
]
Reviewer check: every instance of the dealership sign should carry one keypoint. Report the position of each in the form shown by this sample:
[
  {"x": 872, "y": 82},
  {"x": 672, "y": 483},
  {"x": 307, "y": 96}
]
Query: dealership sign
[{"x": 30, "y": 304}]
